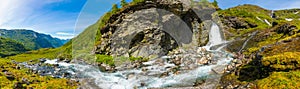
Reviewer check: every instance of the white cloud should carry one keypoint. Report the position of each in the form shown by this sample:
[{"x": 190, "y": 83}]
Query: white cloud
[
  {"x": 64, "y": 33},
  {"x": 63, "y": 37}
]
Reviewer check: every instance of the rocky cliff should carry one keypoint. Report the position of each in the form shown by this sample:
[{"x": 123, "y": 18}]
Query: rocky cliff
[{"x": 153, "y": 28}]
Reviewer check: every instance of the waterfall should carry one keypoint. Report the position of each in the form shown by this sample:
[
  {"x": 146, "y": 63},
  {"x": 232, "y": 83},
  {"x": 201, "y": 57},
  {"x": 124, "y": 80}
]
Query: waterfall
[{"x": 215, "y": 37}]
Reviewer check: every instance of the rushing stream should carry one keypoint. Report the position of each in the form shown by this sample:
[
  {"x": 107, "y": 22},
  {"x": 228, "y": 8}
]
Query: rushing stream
[{"x": 149, "y": 76}]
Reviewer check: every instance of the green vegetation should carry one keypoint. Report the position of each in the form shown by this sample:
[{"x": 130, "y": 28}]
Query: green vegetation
[
  {"x": 137, "y": 1},
  {"x": 51, "y": 53},
  {"x": 283, "y": 61},
  {"x": 105, "y": 59},
  {"x": 251, "y": 15},
  {"x": 281, "y": 80},
  {"x": 10, "y": 47},
  {"x": 32, "y": 40},
  {"x": 291, "y": 13},
  {"x": 115, "y": 8},
  {"x": 112, "y": 60},
  {"x": 123, "y": 3},
  {"x": 22, "y": 79},
  {"x": 274, "y": 50},
  {"x": 215, "y": 3}
]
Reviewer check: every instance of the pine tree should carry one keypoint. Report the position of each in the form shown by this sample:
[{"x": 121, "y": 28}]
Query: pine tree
[
  {"x": 123, "y": 3},
  {"x": 115, "y": 8},
  {"x": 215, "y": 3}
]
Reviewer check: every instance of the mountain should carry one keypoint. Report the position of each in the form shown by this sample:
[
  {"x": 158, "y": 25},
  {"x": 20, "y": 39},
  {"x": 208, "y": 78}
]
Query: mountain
[
  {"x": 32, "y": 40},
  {"x": 264, "y": 44},
  {"x": 10, "y": 47}
]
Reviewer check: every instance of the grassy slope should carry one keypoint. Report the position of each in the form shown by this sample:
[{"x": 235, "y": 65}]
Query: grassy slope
[
  {"x": 280, "y": 63},
  {"x": 10, "y": 47},
  {"x": 51, "y": 53},
  {"x": 248, "y": 14}
]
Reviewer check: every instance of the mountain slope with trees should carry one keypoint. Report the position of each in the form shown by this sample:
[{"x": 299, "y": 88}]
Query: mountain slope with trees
[
  {"x": 32, "y": 40},
  {"x": 10, "y": 47}
]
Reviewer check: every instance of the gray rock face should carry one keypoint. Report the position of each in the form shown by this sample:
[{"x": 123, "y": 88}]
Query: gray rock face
[
  {"x": 148, "y": 33},
  {"x": 154, "y": 28},
  {"x": 152, "y": 43}
]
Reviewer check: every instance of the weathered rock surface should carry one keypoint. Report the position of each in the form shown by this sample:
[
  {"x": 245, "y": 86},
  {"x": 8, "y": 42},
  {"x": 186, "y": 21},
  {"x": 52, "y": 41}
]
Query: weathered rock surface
[{"x": 154, "y": 28}]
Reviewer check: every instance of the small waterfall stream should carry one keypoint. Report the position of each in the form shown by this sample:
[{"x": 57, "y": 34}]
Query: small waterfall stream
[
  {"x": 147, "y": 77},
  {"x": 215, "y": 37}
]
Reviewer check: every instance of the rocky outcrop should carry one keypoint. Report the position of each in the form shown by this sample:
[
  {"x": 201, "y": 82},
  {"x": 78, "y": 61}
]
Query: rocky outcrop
[
  {"x": 236, "y": 23},
  {"x": 157, "y": 26}
]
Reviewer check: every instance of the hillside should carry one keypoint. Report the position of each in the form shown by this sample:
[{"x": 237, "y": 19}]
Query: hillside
[
  {"x": 32, "y": 40},
  {"x": 10, "y": 47},
  {"x": 263, "y": 44},
  {"x": 271, "y": 53}
]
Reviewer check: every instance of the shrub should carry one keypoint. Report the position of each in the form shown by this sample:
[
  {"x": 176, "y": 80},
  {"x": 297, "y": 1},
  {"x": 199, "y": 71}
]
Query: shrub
[
  {"x": 281, "y": 80},
  {"x": 283, "y": 61}
]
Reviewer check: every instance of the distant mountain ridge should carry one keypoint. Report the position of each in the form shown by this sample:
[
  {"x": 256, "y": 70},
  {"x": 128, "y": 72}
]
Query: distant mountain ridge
[{"x": 32, "y": 40}]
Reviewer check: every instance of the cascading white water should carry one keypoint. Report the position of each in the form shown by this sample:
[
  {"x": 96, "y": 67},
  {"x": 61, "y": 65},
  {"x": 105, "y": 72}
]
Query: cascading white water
[
  {"x": 121, "y": 80},
  {"x": 137, "y": 78},
  {"x": 215, "y": 37}
]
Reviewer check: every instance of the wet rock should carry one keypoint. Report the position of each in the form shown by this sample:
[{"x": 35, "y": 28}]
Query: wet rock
[
  {"x": 67, "y": 60},
  {"x": 203, "y": 61},
  {"x": 25, "y": 81},
  {"x": 144, "y": 69},
  {"x": 43, "y": 60},
  {"x": 237, "y": 23},
  {"x": 19, "y": 85},
  {"x": 129, "y": 76},
  {"x": 106, "y": 68},
  {"x": 143, "y": 84},
  {"x": 9, "y": 76},
  {"x": 18, "y": 67}
]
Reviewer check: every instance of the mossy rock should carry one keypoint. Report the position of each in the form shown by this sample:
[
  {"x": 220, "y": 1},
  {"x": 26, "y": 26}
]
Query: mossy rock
[{"x": 281, "y": 80}]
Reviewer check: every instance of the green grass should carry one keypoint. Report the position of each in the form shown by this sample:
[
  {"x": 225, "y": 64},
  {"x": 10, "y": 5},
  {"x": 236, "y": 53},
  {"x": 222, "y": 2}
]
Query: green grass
[
  {"x": 10, "y": 47},
  {"x": 281, "y": 80},
  {"x": 107, "y": 59},
  {"x": 283, "y": 61},
  {"x": 51, "y": 53},
  {"x": 36, "y": 81},
  {"x": 288, "y": 14}
]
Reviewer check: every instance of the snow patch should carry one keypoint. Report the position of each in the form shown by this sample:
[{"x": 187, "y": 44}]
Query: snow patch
[{"x": 268, "y": 22}]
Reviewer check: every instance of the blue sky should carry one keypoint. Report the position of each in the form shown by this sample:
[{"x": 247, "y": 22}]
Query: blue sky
[{"x": 59, "y": 18}]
